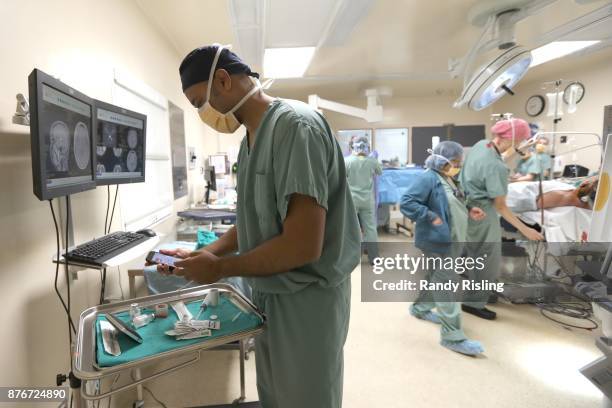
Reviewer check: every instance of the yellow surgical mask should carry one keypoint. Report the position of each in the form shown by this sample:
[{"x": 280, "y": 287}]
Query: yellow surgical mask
[
  {"x": 453, "y": 171},
  {"x": 540, "y": 148},
  {"x": 222, "y": 122}
]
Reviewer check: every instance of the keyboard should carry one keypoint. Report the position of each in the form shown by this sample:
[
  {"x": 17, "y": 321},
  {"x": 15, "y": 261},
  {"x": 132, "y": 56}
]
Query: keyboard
[{"x": 97, "y": 251}]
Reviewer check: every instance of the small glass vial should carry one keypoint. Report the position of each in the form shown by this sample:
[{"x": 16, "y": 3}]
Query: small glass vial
[
  {"x": 142, "y": 320},
  {"x": 135, "y": 310},
  {"x": 212, "y": 299}
]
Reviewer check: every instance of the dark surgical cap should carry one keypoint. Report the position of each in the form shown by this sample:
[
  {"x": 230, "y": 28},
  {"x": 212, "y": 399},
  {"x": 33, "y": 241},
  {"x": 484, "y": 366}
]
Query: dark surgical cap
[{"x": 197, "y": 64}]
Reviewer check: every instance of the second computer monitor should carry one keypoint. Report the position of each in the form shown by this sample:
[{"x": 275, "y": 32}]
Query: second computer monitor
[{"x": 120, "y": 144}]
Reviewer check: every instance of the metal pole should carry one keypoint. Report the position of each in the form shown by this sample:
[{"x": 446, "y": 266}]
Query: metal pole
[{"x": 242, "y": 379}]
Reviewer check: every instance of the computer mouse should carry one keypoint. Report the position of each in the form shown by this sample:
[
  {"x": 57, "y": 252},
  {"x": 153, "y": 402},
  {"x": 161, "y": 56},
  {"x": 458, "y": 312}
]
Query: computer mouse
[{"x": 147, "y": 232}]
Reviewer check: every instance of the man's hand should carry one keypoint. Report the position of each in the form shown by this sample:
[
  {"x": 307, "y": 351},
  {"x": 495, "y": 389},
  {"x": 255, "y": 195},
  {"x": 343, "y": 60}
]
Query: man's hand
[
  {"x": 477, "y": 214},
  {"x": 437, "y": 221},
  {"x": 502, "y": 209},
  {"x": 202, "y": 267},
  {"x": 532, "y": 234},
  {"x": 180, "y": 253}
]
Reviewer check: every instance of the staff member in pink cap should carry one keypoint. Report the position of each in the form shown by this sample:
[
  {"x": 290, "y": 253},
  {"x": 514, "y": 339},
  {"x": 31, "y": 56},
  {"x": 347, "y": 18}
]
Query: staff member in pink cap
[{"x": 484, "y": 178}]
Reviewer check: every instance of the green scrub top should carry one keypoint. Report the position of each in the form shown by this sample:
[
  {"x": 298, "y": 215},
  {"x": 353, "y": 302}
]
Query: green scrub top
[
  {"x": 361, "y": 171},
  {"x": 484, "y": 175},
  {"x": 538, "y": 164},
  {"x": 522, "y": 166},
  {"x": 458, "y": 211},
  {"x": 295, "y": 152}
]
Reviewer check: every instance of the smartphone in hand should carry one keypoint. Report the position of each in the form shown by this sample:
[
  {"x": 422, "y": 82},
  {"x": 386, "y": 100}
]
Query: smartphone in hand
[{"x": 158, "y": 258}]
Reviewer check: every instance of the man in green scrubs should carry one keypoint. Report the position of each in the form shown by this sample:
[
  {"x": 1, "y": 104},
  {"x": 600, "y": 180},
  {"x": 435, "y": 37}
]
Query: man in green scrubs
[
  {"x": 296, "y": 232},
  {"x": 537, "y": 165},
  {"x": 484, "y": 177},
  {"x": 361, "y": 171}
]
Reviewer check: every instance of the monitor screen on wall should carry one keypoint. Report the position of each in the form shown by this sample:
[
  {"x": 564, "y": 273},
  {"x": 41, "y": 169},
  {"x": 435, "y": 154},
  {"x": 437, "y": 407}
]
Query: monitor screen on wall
[
  {"x": 61, "y": 129},
  {"x": 120, "y": 139}
]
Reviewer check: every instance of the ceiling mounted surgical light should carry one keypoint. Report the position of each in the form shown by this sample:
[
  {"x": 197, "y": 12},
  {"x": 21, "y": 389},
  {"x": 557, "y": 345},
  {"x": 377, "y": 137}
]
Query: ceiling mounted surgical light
[
  {"x": 495, "y": 79},
  {"x": 505, "y": 64}
]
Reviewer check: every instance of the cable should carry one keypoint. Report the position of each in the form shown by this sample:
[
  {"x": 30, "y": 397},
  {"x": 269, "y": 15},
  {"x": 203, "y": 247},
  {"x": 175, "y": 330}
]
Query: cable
[
  {"x": 149, "y": 391},
  {"x": 154, "y": 397},
  {"x": 569, "y": 312},
  {"x": 68, "y": 275},
  {"x": 107, "y": 207},
  {"x": 111, "y": 388},
  {"x": 107, "y": 227},
  {"x": 110, "y": 223},
  {"x": 119, "y": 279},
  {"x": 573, "y": 310},
  {"x": 57, "y": 238}
]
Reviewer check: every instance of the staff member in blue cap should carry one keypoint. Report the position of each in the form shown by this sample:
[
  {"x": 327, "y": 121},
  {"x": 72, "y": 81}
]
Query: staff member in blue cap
[{"x": 296, "y": 231}]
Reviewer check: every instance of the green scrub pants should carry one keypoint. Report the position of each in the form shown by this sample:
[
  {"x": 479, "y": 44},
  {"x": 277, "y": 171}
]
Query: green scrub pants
[
  {"x": 446, "y": 303},
  {"x": 367, "y": 219},
  {"x": 484, "y": 240},
  {"x": 300, "y": 354}
]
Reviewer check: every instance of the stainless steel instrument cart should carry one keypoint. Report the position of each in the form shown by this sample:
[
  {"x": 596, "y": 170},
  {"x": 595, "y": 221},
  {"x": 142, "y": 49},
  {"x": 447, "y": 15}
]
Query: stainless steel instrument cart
[{"x": 86, "y": 366}]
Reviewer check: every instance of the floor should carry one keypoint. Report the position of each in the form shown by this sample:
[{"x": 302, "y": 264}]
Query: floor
[{"x": 394, "y": 360}]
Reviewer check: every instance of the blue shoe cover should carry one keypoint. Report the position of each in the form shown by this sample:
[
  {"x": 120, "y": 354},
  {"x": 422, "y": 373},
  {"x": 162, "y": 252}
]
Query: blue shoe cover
[
  {"x": 467, "y": 347},
  {"x": 429, "y": 316}
]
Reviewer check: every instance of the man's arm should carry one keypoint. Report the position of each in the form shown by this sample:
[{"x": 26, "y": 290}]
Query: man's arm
[
  {"x": 503, "y": 210},
  {"x": 226, "y": 244},
  {"x": 526, "y": 177},
  {"x": 300, "y": 243}
]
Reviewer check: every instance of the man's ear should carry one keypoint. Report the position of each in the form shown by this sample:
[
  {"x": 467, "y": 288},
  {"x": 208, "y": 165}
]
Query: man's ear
[{"x": 223, "y": 79}]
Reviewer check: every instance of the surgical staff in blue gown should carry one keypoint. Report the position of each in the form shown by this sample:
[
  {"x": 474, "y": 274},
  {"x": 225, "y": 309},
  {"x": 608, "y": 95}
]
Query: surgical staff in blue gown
[{"x": 435, "y": 201}]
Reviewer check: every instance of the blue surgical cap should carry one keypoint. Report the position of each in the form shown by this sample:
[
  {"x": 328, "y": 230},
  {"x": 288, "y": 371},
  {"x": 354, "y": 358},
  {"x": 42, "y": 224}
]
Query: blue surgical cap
[
  {"x": 196, "y": 66},
  {"x": 448, "y": 150},
  {"x": 361, "y": 145}
]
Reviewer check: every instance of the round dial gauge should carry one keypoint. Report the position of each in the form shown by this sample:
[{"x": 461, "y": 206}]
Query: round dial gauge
[
  {"x": 575, "y": 88},
  {"x": 535, "y": 105}
]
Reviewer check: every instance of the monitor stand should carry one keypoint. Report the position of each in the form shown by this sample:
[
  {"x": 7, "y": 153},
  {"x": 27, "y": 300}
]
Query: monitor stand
[{"x": 207, "y": 194}]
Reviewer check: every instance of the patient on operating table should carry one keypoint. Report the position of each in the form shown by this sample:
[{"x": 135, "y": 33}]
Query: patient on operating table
[{"x": 526, "y": 196}]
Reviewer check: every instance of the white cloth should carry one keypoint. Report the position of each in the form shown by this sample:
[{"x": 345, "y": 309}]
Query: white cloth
[
  {"x": 522, "y": 195},
  {"x": 561, "y": 224}
]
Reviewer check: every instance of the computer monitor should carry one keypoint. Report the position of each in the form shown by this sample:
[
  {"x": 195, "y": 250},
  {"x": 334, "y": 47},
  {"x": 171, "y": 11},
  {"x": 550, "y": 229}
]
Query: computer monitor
[
  {"x": 61, "y": 123},
  {"x": 120, "y": 144},
  {"x": 219, "y": 162},
  {"x": 211, "y": 182}
]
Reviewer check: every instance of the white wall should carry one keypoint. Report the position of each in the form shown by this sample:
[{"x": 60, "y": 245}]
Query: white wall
[
  {"x": 407, "y": 112},
  {"x": 81, "y": 41},
  {"x": 597, "y": 78}
]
